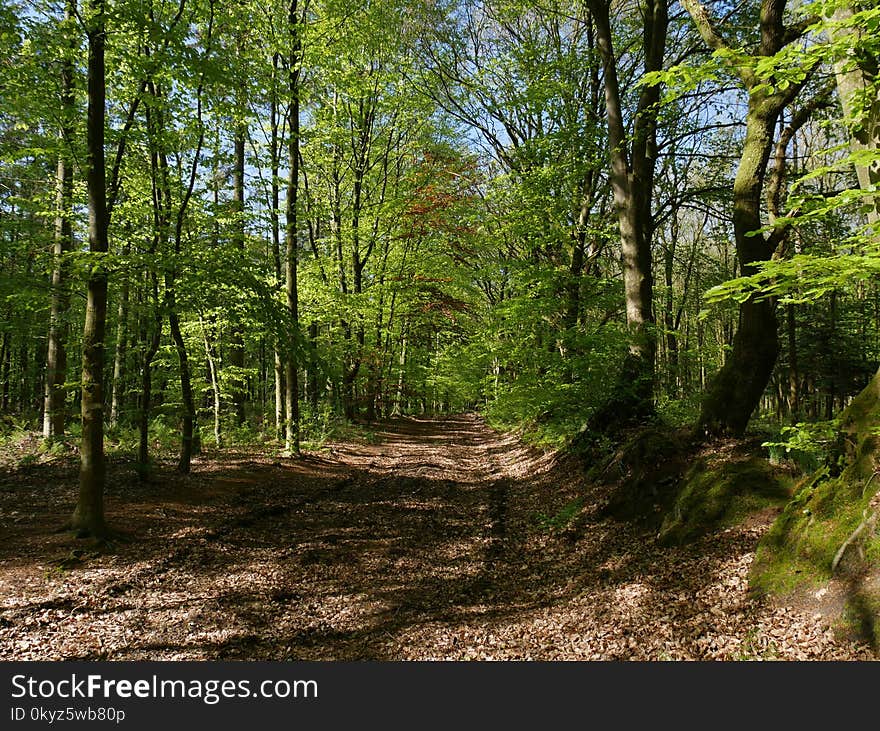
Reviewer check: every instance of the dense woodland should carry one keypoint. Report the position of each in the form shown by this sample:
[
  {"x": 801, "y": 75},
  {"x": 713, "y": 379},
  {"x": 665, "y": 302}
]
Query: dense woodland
[{"x": 239, "y": 223}]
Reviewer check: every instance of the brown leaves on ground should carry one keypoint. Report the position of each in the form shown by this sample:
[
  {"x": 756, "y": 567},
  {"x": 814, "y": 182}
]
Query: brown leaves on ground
[{"x": 442, "y": 540}]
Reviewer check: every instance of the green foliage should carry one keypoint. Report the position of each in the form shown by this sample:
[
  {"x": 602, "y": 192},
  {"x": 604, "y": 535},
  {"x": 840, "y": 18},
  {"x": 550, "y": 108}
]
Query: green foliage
[
  {"x": 810, "y": 445},
  {"x": 678, "y": 413},
  {"x": 456, "y": 239},
  {"x": 319, "y": 425}
]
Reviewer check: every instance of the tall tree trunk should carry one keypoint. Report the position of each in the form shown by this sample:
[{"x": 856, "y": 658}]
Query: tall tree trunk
[
  {"x": 280, "y": 426},
  {"x": 669, "y": 323},
  {"x": 189, "y": 442},
  {"x": 5, "y": 368},
  {"x": 151, "y": 339},
  {"x": 188, "y": 431},
  {"x": 736, "y": 390},
  {"x": 236, "y": 340},
  {"x": 314, "y": 385},
  {"x": 88, "y": 516},
  {"x": 189, "y": 437},
  {"x": 291, "y": 253},
  {"x": 215, "y": 382},
  {"x": 54, "y": 411},
  {"x": 862, "y": 110},
  {"x": 632, "y": 182},
  {"x": 794, "y": 397},
  {"x": 401, "y": 370}
]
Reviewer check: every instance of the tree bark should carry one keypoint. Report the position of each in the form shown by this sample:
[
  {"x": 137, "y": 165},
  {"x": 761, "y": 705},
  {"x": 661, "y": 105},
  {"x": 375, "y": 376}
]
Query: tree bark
[
  {"x": 280, "y": 425},
  {"x": 119, "y": 359},
  {"x": 189, "y": 443},
  {"x": 54, "y": 411},
  {"x": 632, "y": 182},
  {"x": 291, "y": 254},
  {"x": 88, "y": 516},
  {"x": 236, "y": 340},
  {"x": 853, "y": 81},
  {"x": 736, "y": 390},
  {"x": 215, "y": 383},
  {"x": 151, "y": 340},
  {"x": 314, "y": 374}
]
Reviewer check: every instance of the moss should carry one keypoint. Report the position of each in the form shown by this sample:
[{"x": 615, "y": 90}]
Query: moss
[
  {"x": 861, "y": 616},
  {"x": 722, "y": 492},
  {"x": 801, "y": 545},
  {"x": 647, "y": 471}
]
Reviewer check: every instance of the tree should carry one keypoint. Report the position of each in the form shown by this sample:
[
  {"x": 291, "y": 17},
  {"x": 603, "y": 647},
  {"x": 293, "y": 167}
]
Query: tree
[
  {"x": 296, "y": 19},
  {"x": 54, "y": 412},
  {"x": 738, "y": 386},
  {"x": 861, "y": 107},
  {"x": 632, "y": 180},
  {"x": 88, "y": 517}
]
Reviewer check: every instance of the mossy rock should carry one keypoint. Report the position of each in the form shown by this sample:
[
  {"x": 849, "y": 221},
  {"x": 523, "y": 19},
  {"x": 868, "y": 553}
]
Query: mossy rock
[{"x": 718, "y": 492}]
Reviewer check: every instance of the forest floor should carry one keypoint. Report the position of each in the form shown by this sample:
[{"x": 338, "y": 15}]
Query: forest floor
[{"x": 432, "y": 539}]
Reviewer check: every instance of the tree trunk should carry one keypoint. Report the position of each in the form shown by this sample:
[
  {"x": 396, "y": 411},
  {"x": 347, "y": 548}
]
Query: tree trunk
[
  {"x": 151, "y": 347},
  {"x": 632, "y": 182},
  {"x": 291, "y": 258},
  {"x": 5, "y": 368},
  {"x": 794, "y": 396},
  {"x": 54, "y": 411},
  {"x": 236, "y": 340},
  {"x": 215, "y": 383},
  {"x": 189, "y": 437},
  {"x": 119, "y": 360},
  {"x": 274, "y": 151},
  {"x": 401, "y": 370},
  {"x": 861, "y": 110},
  {"x": 736, "y": 390},
  {"x": 189, "y": 443},
  {"x": 188, "y": 431},
  {"x": 314, "y": 385},
  {"x": 88, "y": 517}
]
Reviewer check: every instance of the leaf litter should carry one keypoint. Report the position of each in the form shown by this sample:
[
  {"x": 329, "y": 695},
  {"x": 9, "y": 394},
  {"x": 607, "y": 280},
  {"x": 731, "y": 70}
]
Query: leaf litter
[{"x": 429, "y": 543}]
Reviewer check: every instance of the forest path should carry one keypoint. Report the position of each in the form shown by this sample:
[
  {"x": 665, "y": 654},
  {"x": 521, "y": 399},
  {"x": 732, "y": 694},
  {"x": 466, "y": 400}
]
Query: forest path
[{"x": 433, "y": 539}]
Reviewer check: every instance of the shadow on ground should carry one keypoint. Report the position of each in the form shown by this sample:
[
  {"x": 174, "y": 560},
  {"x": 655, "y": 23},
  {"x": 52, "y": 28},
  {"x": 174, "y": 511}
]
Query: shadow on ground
[{"x": 422, "y": 543}]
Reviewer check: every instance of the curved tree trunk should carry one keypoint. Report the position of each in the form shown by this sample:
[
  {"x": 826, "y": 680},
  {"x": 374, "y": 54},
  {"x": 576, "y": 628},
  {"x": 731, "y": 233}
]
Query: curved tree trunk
[
  {"x": 736, "y": 390},
  {"x": 189, "y": 439}
]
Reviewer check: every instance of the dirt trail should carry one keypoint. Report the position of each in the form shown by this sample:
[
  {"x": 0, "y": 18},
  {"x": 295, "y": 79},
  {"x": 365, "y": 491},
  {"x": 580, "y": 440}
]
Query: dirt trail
[{"x": 435, "y": 540}]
